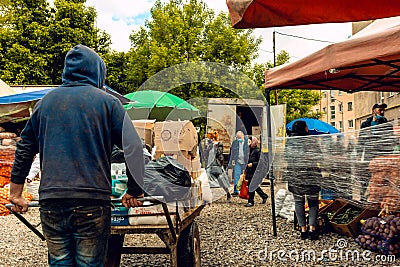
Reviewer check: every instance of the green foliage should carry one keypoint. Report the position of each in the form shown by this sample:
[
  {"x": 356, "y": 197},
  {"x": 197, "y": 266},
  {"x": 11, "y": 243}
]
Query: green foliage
[
  {"x": 188, "y": 31},
  {"x": 36, "y": 38},
  {"x": 298, "y": 102}
]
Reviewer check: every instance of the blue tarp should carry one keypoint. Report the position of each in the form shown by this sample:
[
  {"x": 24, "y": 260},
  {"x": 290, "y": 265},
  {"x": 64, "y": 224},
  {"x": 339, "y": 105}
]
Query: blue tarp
[
  {"x": 37, "y": 95},
  {"x": 24, "y": 97}
]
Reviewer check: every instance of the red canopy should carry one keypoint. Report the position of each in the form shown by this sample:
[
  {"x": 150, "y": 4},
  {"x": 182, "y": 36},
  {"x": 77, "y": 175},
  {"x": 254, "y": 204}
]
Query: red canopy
[
  {"x": 367, "y": 63},
  {"x": 275, "y": 13}
]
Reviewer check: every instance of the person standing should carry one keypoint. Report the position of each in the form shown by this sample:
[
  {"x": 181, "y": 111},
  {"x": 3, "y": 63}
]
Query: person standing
[
  {"x": 378, "y": 116},
  {"x": 237, "y": 159},
  {"x": 252, "y": 163},
  {"x": 74, "y": 128},
  {"x": 375, "y": 139},
  {"x": 303, "y": 175},
  {"x": 215, "y": 158}
]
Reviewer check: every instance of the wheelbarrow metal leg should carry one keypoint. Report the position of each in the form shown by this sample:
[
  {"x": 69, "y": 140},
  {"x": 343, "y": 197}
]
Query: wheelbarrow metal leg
[{"x": 115, "y": 243}]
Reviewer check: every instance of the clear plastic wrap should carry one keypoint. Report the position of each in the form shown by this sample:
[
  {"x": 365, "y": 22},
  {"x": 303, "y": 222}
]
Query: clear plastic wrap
[{"x": 361, "y": 166}]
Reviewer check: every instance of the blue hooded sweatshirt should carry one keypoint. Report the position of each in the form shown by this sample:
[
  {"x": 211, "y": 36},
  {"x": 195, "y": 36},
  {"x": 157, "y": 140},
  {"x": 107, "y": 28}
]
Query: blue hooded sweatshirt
[{"x": 74, "y": 128}]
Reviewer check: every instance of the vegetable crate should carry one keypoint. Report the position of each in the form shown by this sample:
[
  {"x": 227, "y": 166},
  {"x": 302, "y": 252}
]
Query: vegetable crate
[{"x": 346, "y": 220}]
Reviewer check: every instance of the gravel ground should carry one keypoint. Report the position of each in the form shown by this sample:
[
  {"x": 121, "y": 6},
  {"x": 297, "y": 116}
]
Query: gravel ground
[{"x": 231, "y": 235}]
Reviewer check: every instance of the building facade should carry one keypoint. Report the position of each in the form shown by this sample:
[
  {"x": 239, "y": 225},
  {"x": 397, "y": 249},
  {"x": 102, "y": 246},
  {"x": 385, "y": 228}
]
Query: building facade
[{"x": 337, "y": 108}]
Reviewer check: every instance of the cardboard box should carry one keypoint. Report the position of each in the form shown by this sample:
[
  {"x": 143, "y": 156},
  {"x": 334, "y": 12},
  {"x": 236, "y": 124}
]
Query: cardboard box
[
  {"x": 147, "y": 135},
  {"x": 196, "y": 165},
  {"x": 145, "y": 130},
  {"x": 147, "y": 124},
  {"x": 255, "y": 130},
  {"x": 351, "y": 229},
  {"x": 175, "y": 136},
  {"x": 334, "y": 206}
]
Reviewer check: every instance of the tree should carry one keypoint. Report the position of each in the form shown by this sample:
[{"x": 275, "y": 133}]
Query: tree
[
  {"x": 21, "y": 47},
  {"x": 188, "y": 31},
  {"x": 72, "y": 23},
  {"x": 298, "y": 102},
  {"x": 36, "y": 38}
]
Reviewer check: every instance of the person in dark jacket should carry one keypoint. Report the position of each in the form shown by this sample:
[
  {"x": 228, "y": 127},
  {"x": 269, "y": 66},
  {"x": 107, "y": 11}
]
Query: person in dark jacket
[
  {"x": 303, "y": 175},
  {"x": 74, "y": 128},
  {"x": 238, "y": 158},
  {"x": 252, "y": 164},
  {"x": 375, "y": 139},
  {"x": 215, "y": 159},
  {"x": 378, "y": 116}
]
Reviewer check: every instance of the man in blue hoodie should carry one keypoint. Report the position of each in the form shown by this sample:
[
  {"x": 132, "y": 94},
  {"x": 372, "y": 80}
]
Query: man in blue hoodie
[{"x": 74, "y": 128}]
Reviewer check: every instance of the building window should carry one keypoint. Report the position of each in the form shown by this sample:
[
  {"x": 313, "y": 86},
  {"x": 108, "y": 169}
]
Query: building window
[
  {"x": 340, "y": 107},
  {"x": 332, "y": 112},
  {"x": 317, "y": 110},
  {"x": 340, "y": 93},
  {"x": 324, "y": 110},
  {"x": 340, "y": 124},
  {"x": 324, "y": 95},
  {"x": 350, "y": 106},
  {"x": 351, "y": 124}
]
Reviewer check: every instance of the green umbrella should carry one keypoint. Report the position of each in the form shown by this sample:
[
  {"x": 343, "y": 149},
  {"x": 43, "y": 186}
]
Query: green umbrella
[{"x": 149, "y": 104}]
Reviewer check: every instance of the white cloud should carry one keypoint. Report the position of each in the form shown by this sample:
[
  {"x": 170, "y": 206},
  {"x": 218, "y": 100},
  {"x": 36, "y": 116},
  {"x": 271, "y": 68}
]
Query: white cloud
[{"x": 120, "y": 17}]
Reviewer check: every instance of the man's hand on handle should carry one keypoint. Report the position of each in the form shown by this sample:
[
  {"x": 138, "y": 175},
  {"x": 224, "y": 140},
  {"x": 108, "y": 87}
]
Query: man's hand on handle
[
  {"x": 130, "y": 201},
  {"x": 20, "y": 204}
]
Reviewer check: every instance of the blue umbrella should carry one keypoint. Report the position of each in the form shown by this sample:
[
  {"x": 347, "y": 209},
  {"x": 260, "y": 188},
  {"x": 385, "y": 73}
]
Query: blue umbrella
[{"x": 314, "y": 126}]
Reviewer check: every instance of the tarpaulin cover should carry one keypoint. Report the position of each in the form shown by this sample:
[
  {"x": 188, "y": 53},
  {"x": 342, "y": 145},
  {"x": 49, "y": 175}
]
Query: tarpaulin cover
[
  {"x": 24, "y": 97},
  {"x": 274, "y": 13},
  {"x": 366, "y": 63}
]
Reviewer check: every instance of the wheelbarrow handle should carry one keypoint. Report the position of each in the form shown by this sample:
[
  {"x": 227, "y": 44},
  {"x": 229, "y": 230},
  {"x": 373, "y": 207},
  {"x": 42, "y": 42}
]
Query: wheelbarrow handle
[
  {"x": 33, "y": 204},
  {"x": 25, "y": 221}
]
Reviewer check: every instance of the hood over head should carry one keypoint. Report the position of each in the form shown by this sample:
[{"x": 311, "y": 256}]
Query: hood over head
[{"x": 84, "y": 65}]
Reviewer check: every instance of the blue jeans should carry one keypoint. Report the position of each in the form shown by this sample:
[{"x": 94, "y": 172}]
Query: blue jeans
[
  {"x": 299, "y": 202},
  {"x": 237, "y": 171},
  {"x": 76, "y": 236}
]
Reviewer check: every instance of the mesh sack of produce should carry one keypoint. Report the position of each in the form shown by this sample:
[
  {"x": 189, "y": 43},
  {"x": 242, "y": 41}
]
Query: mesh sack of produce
[
  {"x": 368, "y": 242},
  {"x": 390, "y": 247},
  {"x": 387, "y": 228}
]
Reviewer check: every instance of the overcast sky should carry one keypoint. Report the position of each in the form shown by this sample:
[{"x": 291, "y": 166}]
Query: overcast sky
[{"x": 120, "y": 17}]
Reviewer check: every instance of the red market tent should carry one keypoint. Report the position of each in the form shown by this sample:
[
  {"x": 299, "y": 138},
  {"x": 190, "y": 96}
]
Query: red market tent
[
  {"x": 274, "y": 13},
  {"x": 366, "y": 63}
]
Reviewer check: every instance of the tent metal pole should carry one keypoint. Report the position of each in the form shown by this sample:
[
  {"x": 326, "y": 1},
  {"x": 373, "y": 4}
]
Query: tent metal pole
[{"x": 269, "y": 157}]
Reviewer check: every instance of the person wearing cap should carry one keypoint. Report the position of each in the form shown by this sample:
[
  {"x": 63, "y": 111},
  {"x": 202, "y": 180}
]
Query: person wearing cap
[
  {"x": 375, "y": 139},
  {"x": 378, "y": 116}
]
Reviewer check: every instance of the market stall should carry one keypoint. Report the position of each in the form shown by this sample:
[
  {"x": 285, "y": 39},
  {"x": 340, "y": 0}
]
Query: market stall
[{"x": 275, "y": 13}]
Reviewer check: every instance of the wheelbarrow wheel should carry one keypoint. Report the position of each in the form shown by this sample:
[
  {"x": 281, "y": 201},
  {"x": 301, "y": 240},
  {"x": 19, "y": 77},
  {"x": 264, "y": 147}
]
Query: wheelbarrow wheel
[{"x": 189, "y": 247}]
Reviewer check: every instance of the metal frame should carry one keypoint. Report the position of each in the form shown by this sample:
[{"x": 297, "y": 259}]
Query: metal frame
[{"x": 167, "y": 233}]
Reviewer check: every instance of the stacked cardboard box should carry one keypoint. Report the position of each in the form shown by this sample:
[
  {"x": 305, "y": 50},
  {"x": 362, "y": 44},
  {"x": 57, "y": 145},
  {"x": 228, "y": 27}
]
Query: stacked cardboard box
[
  {"x": 178, "y": 139},
  {"x": 145, "y": 130}
]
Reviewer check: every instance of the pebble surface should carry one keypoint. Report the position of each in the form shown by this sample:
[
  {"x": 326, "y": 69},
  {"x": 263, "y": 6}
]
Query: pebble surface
[{"x": 231, "y": 235}]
